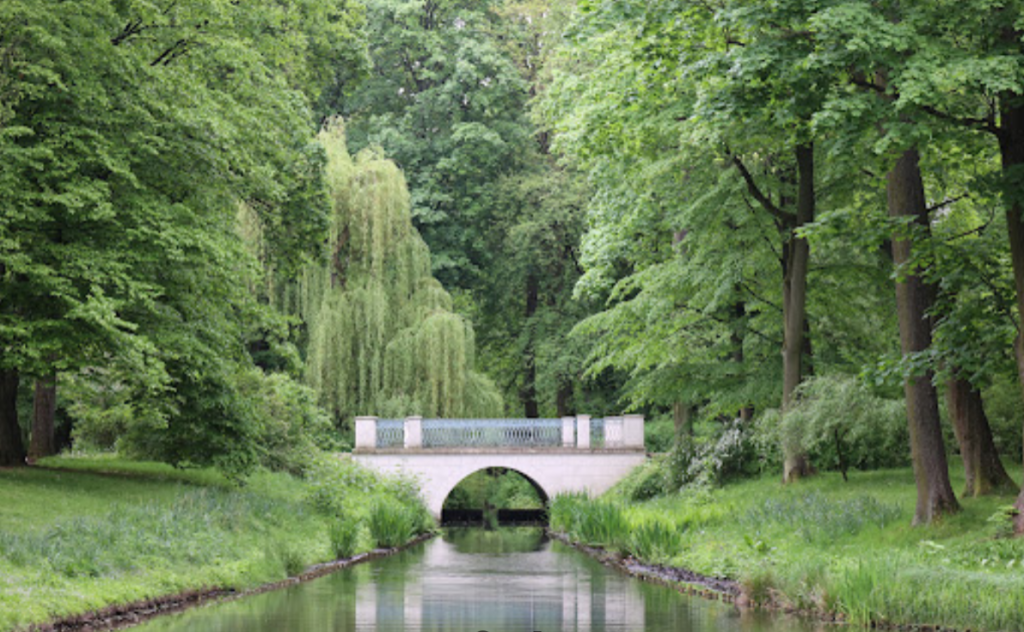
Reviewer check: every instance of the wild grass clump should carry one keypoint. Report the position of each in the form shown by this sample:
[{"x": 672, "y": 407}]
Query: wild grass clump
[
  {"x": 898, "y": 589},
  {"x": 391, "y": 523},
  {"x": 655, "y": 540},
  {"x": 593, "y": 522},
  {"x": 344, "y": 536},
  {"x": 601, "y": 523}
]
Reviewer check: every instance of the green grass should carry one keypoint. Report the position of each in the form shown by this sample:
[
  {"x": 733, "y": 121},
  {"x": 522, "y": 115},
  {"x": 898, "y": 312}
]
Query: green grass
[
  {"x": 101, "y": 531},
  {"x": 828, "y": 545}
]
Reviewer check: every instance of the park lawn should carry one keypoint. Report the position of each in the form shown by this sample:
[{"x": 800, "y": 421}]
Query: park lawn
[
  {"x": 832, "y": 547},
  {"x": 99, "y": 532}
]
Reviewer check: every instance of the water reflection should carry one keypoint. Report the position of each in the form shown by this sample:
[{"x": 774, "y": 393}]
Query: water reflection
[{"x": 510, "y": 580}]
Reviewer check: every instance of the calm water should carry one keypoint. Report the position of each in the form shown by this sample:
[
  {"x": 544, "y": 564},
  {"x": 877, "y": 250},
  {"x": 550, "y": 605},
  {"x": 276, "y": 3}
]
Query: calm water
[{"x": 511, "y": 580}]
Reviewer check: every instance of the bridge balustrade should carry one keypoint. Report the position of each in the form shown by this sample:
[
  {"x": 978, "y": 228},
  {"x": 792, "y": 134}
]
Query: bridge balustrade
[
  {"x": 580, "y": 432},
  {"x": 492, "y": 433}
]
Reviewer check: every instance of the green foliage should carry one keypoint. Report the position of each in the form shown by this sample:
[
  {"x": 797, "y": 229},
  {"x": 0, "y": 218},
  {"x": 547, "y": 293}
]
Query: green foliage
[
  {"x": 131, "y": 134},
  {"x": 728, "y": 455},
  {"x": 389, "y": 509},
  {"x": 344, "y": 535},
  {"x": 1002, "y": 405},
  {"x": 446, "y": 101},
  {"x": 332, "y": 480},
  {"x": 644, "y": 482},
  {"x": 275, "y": 421},
  {"x": 592, "y": 522},
  {"x": 73, "y": 540},
  {"x": 659, "y": 434},
  {"x": 487, "y": 489},
  {"x": 391, "y": 524},
  {"x": 382, "y": 335},
  {"x": 841, "y": 423},
  {"x": 654, "y": 540}
]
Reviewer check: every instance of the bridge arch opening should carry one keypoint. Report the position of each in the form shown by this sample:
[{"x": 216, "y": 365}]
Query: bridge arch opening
[{"x": 493, "y": 496}]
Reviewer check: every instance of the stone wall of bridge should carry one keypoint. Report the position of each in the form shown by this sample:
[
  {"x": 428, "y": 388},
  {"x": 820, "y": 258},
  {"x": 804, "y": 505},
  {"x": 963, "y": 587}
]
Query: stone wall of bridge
[{"x": 552, "y": 471}]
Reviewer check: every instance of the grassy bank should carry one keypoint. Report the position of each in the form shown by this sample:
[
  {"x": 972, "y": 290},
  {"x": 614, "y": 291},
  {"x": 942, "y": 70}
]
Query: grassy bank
[
  {"x": 82, "y": 534},
  {"x": 824, "y": 545}
]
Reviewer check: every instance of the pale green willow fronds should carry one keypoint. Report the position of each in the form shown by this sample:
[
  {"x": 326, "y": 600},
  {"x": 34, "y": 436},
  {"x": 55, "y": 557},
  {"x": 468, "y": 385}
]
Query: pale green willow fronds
[{"x": 383, "y": 338}]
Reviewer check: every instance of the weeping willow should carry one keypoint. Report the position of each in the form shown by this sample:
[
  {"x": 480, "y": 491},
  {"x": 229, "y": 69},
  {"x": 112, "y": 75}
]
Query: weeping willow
[{"x": 383, "y": 339}]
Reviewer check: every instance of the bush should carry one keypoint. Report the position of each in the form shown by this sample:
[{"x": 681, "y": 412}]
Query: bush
[
  {"x": 390, "y": 506},
  {"x": 732, "y": 454},
  {"x": 841, "y": 424},
  {"x": 659, "y": 434},
  {"x": 332, "y": 480},
  {"x": 644, "y": 482},
  {"x": 291, "y": 426},
  {"x": 1002, "y": 404}
]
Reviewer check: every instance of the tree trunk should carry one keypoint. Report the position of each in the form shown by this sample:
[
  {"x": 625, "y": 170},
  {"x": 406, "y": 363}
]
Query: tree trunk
[
  {"x": 12, "y": 448},
  {"x": 1011, "y": 149},
  {"x": 682, "y": 420},
  {"x": 44, "y": 409},
  {"x": 982, "y": 468},
  {"x": 739, "y": 333},
  {"x": 794, "y": 302},
  {"x": 563, "y": 399},
  {"x": 528, "y": 391},
  {"x": 914, "y": 297}
]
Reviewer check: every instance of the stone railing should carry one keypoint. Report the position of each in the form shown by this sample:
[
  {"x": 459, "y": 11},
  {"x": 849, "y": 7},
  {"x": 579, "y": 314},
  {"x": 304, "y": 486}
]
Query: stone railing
[{"x": 579, "y": 432}]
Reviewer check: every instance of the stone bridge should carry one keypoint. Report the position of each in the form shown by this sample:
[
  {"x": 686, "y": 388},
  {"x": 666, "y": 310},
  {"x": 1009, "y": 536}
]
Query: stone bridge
[{"x": 569, "y": 454}]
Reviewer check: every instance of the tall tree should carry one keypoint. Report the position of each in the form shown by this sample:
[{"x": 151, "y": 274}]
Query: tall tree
[
  {"x": 383, "y": 338},
  {"x": 133, "y": 133},
  {"x": 914, "y": 299},
  {"x": 446, "y": 102}
]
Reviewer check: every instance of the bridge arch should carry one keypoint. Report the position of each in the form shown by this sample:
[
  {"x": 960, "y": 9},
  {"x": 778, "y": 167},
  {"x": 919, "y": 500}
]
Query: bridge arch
[{"x": 544, "y": 496}]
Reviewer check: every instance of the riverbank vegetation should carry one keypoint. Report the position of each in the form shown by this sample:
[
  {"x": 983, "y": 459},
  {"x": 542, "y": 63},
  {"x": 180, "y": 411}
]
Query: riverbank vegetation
[
  {"x": 81, "y": 534},
  {"x": 827, "y": 547},
  {"x": 789, "y": 233}
]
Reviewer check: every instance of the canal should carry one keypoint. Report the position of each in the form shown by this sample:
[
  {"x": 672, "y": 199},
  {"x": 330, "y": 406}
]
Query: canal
[{"x": 468, "y": 580}]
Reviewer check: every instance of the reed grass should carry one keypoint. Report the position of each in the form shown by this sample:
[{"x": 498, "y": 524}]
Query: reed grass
[{"x": 391, "y": 524}]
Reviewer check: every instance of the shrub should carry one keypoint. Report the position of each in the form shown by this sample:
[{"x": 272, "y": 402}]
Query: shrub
[
  {"x": 731, "y": 454},
  {"x": 660, "y": 434},
  {"x": 644, "y": 482},
  {"x": 838, "y": 421}
]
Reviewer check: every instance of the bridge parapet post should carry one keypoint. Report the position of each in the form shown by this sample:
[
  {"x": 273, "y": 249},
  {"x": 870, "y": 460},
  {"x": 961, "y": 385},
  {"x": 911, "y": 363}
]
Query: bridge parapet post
[
  {"x": 413, "y": 432},
  {"x": 633, "y": 431},
  {"x": 568, "y": 432},
  {"x": 366, "y": 433},
  {"x": 583, "y": 432}
]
